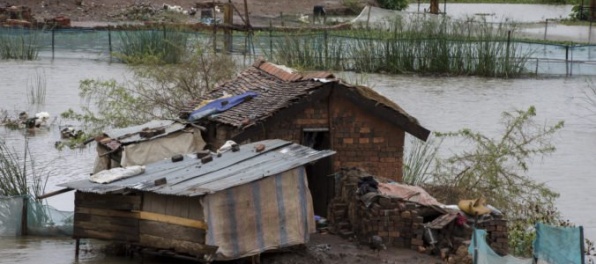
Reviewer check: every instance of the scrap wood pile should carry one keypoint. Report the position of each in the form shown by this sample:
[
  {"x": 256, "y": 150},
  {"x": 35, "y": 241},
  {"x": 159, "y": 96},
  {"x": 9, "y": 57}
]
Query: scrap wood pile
[{"x": 407, "y": 217}]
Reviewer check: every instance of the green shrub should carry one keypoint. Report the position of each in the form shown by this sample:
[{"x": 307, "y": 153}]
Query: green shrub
[{"x": 393, "y": 4}]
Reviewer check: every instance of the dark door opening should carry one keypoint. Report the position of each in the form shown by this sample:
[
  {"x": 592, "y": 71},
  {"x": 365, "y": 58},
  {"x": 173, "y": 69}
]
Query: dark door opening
[{"x": 320, "y": 180}]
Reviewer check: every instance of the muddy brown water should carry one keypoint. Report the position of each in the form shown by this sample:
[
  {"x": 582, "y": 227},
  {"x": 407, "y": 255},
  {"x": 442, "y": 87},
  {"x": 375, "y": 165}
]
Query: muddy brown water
[{"x": 440, "y": 104}]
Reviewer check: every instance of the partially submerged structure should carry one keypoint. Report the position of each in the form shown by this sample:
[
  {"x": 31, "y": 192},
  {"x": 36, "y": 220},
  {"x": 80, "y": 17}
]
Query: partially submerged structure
[
  {"x": 314, "y": 109},
  {"x": 250, "y": 199}
]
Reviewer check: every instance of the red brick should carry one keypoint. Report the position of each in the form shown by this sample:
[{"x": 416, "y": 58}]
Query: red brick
[
  {"x": 378, "y": 140},
  {"x": 363, "y": 140},
  {"x": 365, "y": 130},
  {"x": 348, "y": 141}
]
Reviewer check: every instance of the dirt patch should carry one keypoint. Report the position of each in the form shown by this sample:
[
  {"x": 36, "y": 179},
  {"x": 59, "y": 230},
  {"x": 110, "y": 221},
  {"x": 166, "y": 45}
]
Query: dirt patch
[
  {"x": 331, "y": 249},
  {"x": 109, "y": 10}
]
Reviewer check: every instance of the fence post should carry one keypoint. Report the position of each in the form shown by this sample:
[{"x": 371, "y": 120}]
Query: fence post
[
  {"x": 24, "y": 217},
  {"x": 164, "y": 31},
  {"x": 545, "y": 28},
  {"x": 281, "y": 16},
  {"x": 110, "y": 41},
  {"x": 507, "y": 51},
  {"x": 567, "y": 60},
  {"x": 581, "y": 244},
  {"x": 270, "y": 40},
  {"x": 53, "y": 43},
  {"x": 326, "y": 43}
]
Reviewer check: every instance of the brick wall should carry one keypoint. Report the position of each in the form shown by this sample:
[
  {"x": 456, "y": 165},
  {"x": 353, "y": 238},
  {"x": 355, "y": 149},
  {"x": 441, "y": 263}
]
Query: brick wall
[
  {"x": 361, "y": 139},
  {"x": 364, "y": 140}
]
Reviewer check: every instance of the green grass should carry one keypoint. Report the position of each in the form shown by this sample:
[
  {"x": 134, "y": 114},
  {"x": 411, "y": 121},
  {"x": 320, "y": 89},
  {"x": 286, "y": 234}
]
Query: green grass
[
  {"x": 19, "y": 44},
  {"x": 428, "y": 46},
  {"x": 166, "y": 46}
]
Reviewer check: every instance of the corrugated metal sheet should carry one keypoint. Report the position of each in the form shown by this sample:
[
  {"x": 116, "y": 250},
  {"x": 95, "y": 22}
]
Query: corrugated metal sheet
[
  {"x": 192, "y": 178},
  {"x": 129, "y": 135}
]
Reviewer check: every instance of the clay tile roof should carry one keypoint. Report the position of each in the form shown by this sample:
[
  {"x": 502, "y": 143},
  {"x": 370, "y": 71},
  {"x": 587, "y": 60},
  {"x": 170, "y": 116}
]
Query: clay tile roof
[{"x": 277, "y": 87}]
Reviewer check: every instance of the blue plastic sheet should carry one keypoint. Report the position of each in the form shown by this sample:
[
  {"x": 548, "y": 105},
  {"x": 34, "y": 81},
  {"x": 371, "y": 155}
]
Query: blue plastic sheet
[
  {"x": 220, "y": 105},
  {"x": 558, "y": 245}
]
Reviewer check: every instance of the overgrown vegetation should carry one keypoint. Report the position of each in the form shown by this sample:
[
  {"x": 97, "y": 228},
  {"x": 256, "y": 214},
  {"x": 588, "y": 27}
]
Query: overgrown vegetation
[
  {"x": 393, "y": 4},
  {"x": 19, "y": 44},
  {"x": 495, "y": 168},
  {"x": 167, "y": 46},
  {"x": 155, "y": 91},
  {"x": 429, "y": 46}
]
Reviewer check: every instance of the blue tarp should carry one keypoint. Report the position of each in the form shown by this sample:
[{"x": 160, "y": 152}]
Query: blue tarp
[
  {"x": 220, "y": 105},
  {"x": 558, "y": 245}
]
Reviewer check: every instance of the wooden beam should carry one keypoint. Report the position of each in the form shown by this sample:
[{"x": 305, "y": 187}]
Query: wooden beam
[
  {"x": 145, "y": 216},
  {"x": 171, "y": 219},
  {"x": 50, "y": 194}
]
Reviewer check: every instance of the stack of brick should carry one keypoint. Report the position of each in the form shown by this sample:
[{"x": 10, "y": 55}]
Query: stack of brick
[
  {"x": 497, "y": 235},
  {"x": 401, "y": 223}
]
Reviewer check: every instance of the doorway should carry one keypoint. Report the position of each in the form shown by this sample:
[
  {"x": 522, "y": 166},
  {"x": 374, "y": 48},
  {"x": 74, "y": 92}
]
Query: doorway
[{"x": 320, "y": 174}]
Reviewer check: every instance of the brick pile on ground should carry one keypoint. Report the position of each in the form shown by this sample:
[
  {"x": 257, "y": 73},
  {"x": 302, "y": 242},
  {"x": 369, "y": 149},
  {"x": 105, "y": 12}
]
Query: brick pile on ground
[{"x": 401, "y": 223}]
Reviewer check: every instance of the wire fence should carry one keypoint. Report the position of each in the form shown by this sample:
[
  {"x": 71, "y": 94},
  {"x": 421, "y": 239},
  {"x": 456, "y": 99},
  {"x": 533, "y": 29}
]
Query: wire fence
[{"x": 100, "y": 44}]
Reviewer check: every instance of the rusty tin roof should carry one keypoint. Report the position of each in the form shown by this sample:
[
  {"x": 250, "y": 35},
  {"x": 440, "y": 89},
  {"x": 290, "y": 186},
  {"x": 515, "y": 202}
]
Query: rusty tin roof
[{"x": 191, "y": 177}]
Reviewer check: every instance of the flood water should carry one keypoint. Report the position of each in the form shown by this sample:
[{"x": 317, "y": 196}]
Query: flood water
[{"x": 440, "y": 104}]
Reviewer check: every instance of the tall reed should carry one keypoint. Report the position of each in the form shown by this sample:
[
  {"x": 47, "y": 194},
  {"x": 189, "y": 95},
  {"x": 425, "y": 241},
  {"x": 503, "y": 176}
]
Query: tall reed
[
  {"x": 19, "y": 44},
  {"x": 167, "y": 46},
  {"x": 36, "y": 88},
  {"x": 416, "y": 44}
]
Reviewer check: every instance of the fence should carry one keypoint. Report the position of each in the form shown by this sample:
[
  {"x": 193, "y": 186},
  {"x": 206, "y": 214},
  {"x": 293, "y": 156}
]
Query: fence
[{"x": 539, "y": 58}]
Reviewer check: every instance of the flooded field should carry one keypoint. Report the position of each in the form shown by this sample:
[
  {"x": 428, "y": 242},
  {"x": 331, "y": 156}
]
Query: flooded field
[{"x": 440, "y": 104}]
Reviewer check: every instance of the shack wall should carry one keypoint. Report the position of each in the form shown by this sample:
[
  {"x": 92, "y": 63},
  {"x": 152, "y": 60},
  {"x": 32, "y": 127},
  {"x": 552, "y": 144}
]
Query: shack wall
[
  {"x": 174, "y": 231},
  {"x": 106, "y": 216}
]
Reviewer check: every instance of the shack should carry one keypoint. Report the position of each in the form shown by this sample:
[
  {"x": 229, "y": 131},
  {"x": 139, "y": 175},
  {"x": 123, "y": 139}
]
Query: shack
[
  {"x": 244, "y": 201},
  {"x": 314, "y": 109},
  {"x": 146, "y": 143}
]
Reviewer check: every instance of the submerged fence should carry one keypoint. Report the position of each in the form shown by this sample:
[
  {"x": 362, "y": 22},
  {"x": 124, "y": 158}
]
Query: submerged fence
[{"x": 330, "y": 51}]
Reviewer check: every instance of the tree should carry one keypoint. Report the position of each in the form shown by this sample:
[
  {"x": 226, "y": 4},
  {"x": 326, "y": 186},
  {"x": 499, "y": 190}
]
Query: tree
[
  {"x": 156, "y": 91},
  {"x": 495, "y": 168}
]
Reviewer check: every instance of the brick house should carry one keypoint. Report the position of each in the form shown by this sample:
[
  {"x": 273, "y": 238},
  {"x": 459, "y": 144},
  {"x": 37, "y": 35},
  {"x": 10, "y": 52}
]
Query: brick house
[{"x": 366, "y": 129}]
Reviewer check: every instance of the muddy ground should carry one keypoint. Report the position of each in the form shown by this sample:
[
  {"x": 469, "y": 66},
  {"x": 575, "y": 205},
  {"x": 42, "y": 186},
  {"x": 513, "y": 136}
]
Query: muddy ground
[
  {"x": 331, "y": 249},
  {"x": 110, "y": 10}
]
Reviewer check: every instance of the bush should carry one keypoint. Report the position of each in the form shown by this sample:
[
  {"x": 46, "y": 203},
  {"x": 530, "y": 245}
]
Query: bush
[{"x": 393, "y": 4}]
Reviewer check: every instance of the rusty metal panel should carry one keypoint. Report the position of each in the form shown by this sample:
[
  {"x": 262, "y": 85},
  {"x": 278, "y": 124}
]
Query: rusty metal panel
[{"x": 192, "y": 177}]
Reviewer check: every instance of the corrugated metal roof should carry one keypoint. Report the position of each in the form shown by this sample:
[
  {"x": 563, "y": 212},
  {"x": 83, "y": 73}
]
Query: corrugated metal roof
[
  {"x": 192, "y": 178},
  {"x": 131, "y": 134}
]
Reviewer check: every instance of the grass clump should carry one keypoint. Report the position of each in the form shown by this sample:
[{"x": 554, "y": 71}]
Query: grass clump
[
  {"x": 428, "y": 45},
  {"x": 166, "y": 46},
  {"x": 19, "y": 44},
  {"x": 36, "y": 88}
]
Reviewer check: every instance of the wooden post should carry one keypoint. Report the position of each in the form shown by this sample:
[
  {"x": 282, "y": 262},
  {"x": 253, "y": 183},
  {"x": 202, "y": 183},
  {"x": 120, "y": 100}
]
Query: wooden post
[
  {"x": 567, "y": 60},
  {"x": 53, "y": 43},
  {"x": 110, "y": 42},
  {"x": 581, "y": 244},
  {"x": 24, "y": 217},
  {"x": 545, "y": 28},
  {"x": 228, "y": 21},
  {"x": 281, "y": 16},
  {"x": 77, "y": 247},
  {"x": 326, "y": 43},
  {"x": 214, "y": 27},
  {"x": 270, "y": 39},
  {"x": 246, "y": 12},
  {"x": 368, "y": 17}
]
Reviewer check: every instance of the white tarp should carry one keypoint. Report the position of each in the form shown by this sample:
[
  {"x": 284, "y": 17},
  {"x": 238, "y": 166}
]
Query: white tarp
[
  {"x": 145, "y": 152},
  {"x": 148, "y": 151}
]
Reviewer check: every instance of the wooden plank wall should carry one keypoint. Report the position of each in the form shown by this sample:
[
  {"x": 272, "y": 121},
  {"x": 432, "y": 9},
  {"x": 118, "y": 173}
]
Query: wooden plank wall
[
  {"x": 106, "y": 216},
  {"x": 183, "y": 239}
]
